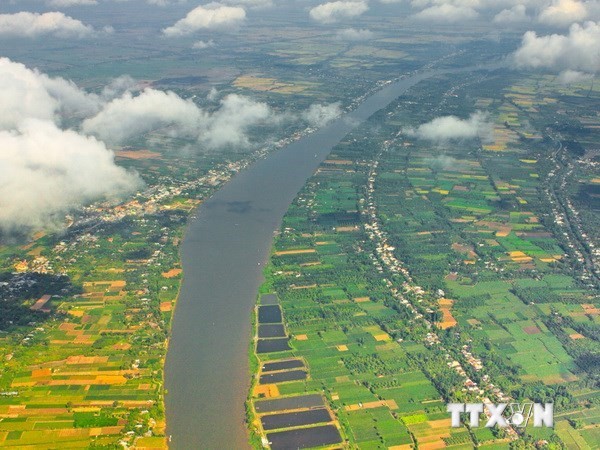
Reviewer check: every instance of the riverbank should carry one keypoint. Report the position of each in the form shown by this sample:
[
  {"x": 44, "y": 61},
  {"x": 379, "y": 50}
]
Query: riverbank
[{"x": 222, "y": 256}]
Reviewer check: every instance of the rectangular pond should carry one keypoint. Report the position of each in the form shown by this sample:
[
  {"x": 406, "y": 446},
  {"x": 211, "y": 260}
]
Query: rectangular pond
[
  {"x": 296, "y": 419},
  {"x": 304, "y": 438},
  {"x": 271, "y": 330},
  {"x": 280, "y": 377},
  {"x": 269, "y": 299},
  {"x": 269, "y": 314},
  {"x": 282, "y": 365},
  {"x": 286, "y": 403},
  {"x": 272, "y": 345}
]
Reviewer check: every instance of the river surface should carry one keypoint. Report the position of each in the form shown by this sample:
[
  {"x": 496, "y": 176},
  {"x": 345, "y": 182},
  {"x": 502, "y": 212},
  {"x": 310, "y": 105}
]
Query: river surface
[{"x": 223, "y": 254}]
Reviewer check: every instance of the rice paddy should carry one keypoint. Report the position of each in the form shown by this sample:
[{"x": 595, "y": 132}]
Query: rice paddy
[{"x": 468, "y": 227}]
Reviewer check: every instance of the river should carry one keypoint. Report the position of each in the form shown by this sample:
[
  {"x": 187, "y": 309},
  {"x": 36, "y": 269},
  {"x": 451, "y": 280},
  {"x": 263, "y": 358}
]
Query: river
[{"x": 223, "y": 255}]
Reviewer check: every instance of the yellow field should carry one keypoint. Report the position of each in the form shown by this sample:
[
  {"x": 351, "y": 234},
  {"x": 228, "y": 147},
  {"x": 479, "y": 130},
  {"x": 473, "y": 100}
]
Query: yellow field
[
  {"x": 448, "y": 319},
  {"x": 172, "y": 273},
  {"x": 137, "y": 154},
  {"x": 295, "y": 252},
  {"x": 257, "y": 83},
  {"x": 391, "y": 404}
]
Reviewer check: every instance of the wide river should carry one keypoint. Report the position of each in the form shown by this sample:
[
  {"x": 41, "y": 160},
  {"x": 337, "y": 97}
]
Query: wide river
[{"x": 223, "y": 255}]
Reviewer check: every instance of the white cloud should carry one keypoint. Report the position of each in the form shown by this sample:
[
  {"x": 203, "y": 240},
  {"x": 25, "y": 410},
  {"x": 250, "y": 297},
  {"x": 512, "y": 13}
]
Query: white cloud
[
  {"x": 23, "y": 95},
  {"x": 573, "y": 76},
  {"x": 47, "y": 171},
  {"x": 563, "y": 13},
  {"x": 445, "y": 162},
  {"x": 67, "y": 3},
  {"x": 210, "y": 17},
  {"x": 516, "y": 14},
  {"x": 446, "y": 13},
  {"x": 319, "y": 115},
  {"x": 547, "y": 12},
  {"x": 230, "y": 123},
  {"x": 29, "y": 24},
  {"x": 446, "y": 128},
  {"x": 29, "y": 94},
  {"x": 119, "y": 86},
  {"x": 129, "y": 116},
  {"x": 201, "y": 45},
  {"x": 213, "y": 94},
  {"x": 73, "y": 101},
  {"x": 353, "y": 34},
  {"x": 335, "y": 11},
  {"x": 577, "y": 51}
]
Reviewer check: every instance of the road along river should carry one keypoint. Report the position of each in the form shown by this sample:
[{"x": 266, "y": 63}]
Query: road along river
[{"x": 223, "y": 254}]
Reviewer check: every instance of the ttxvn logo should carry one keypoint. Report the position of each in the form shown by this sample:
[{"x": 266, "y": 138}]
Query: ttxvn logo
[{"x": 504, "y": 414}]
